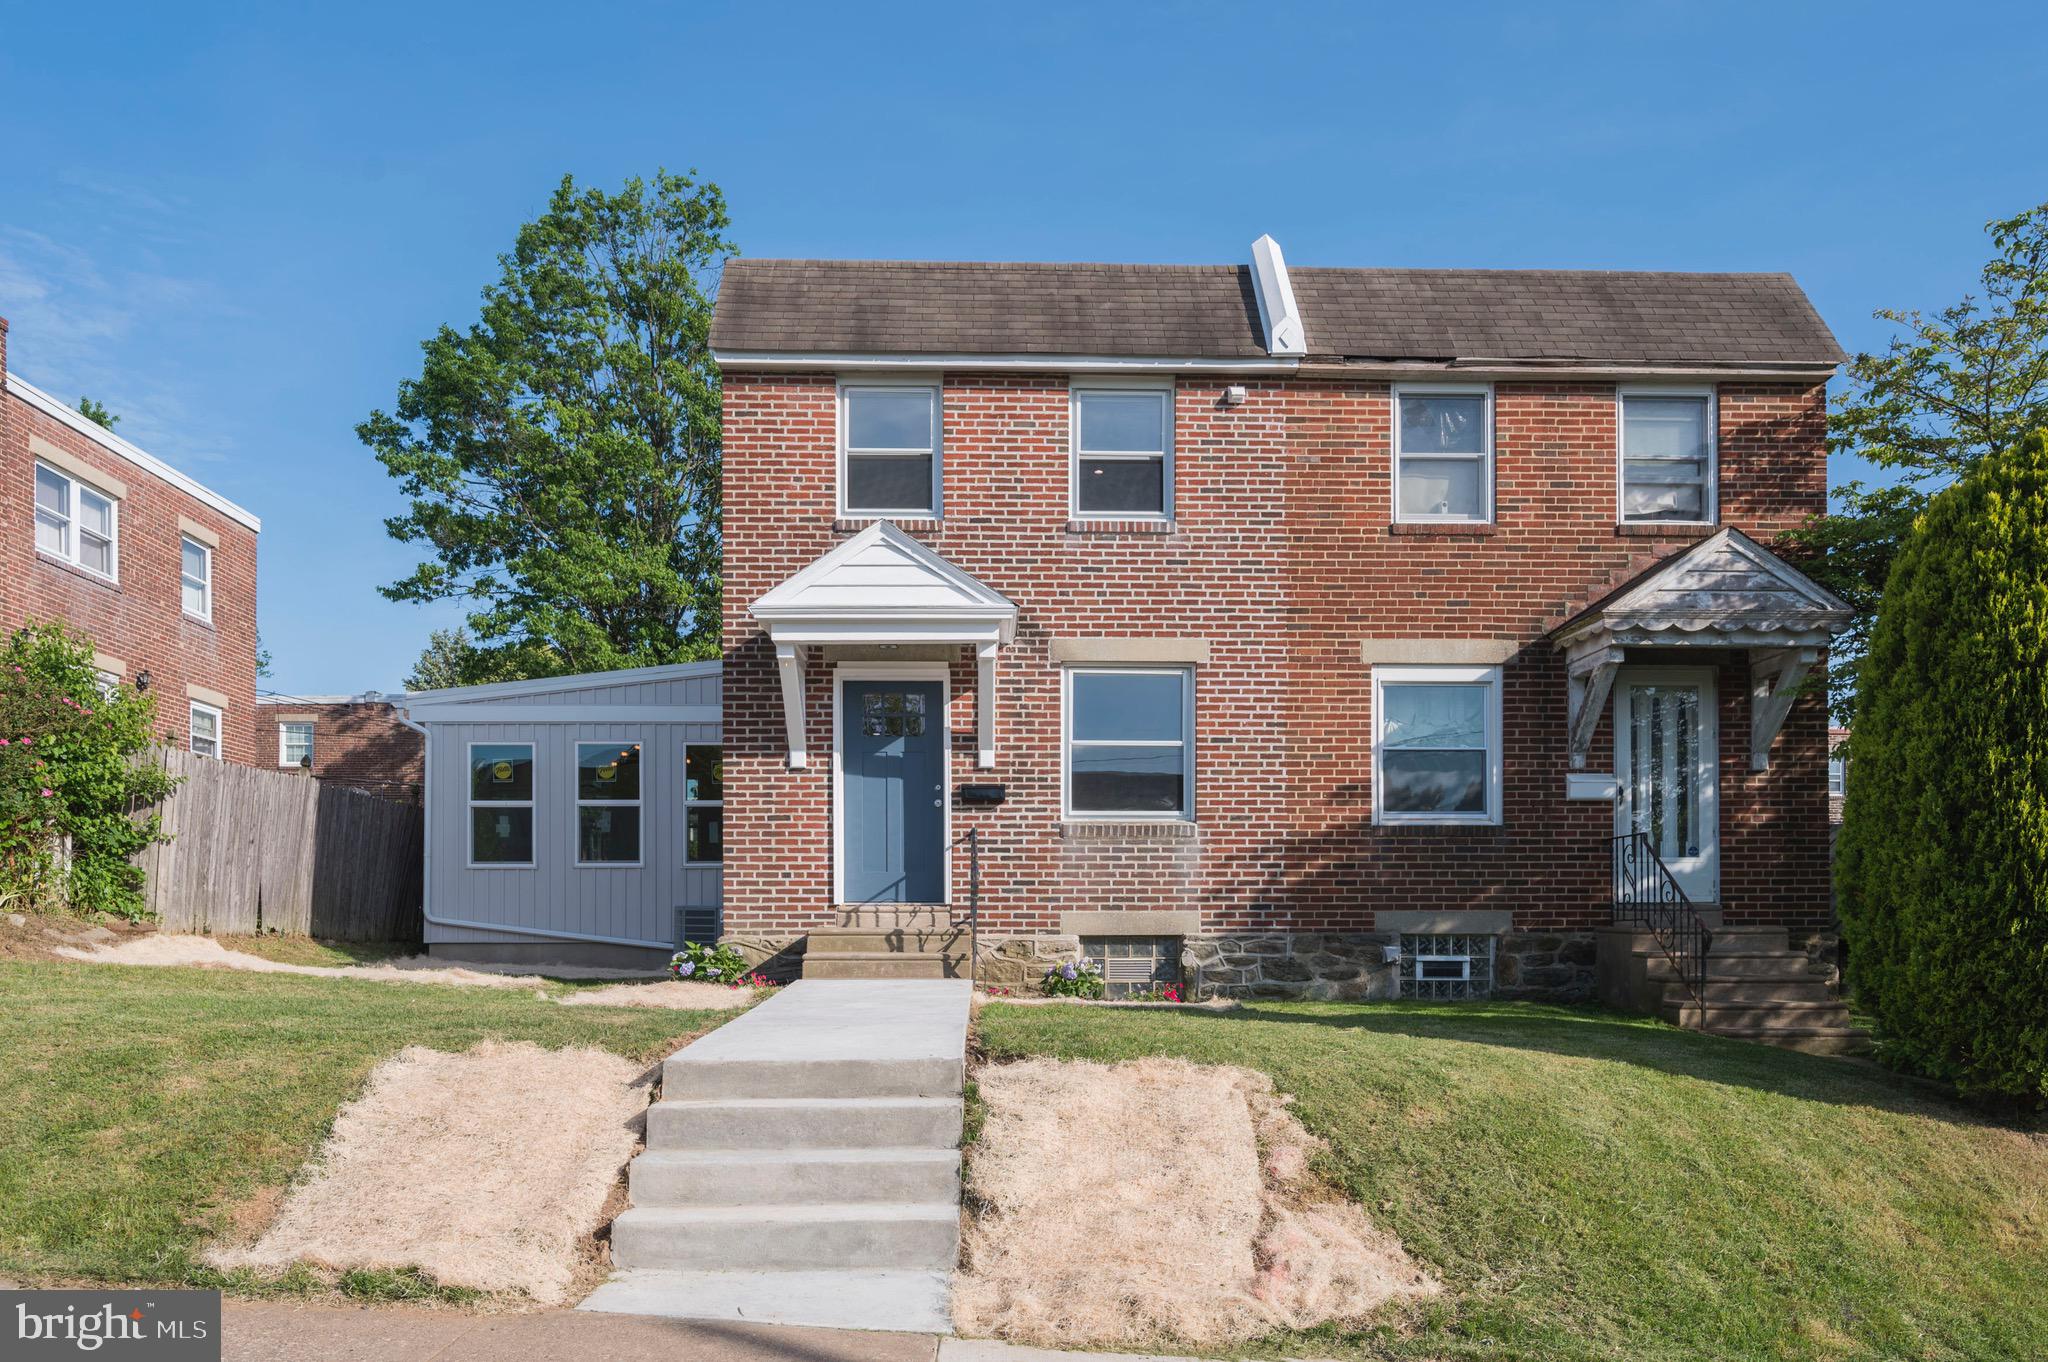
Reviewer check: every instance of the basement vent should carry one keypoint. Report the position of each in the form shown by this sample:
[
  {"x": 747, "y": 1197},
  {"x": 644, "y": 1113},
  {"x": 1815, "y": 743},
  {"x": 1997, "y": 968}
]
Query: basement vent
[
  {"x": 1446, "y": 966},
  {"x": 699, "y": 924},
  {"x": 1133, "y": 964}
]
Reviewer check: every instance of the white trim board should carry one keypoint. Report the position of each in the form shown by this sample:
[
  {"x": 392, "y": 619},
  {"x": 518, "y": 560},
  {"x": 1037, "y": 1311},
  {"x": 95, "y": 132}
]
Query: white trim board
[
  {"x": 1010, "y": 363},
  {"x": 114, "y": 444}
]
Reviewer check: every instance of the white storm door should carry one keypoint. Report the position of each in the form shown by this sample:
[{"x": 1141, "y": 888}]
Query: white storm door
[{"x": 1665, "y": 746}]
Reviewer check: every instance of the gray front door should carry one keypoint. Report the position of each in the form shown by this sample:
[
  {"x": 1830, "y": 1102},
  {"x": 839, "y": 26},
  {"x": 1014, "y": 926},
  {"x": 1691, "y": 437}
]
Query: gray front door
[{"x": 892, "y": 787}]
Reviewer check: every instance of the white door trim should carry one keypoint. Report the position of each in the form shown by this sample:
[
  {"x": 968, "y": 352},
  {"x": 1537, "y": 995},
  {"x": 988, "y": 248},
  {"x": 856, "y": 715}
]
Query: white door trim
[
  {"x": 891, "y": 671},
  {"x": 1699, "y": 876}
]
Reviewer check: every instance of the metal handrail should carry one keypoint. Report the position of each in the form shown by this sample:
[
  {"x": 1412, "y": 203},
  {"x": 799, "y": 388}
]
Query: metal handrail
[
  {"x": 973, "y": 904},
  {"x": 1648, "y": 896}
]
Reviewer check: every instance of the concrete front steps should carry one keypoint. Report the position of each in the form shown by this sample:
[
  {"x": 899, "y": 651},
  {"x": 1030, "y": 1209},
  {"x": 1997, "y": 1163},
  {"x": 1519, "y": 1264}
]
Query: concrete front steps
[
  {"x": 803, "y": 1165},
  {"x": 878, "y": 941},
  {"x": 1757, "y": 988}
]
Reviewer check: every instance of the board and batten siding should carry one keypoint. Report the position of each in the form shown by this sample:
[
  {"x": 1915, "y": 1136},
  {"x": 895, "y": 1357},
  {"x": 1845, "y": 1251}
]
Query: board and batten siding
[{"x": 555, "y": 898}]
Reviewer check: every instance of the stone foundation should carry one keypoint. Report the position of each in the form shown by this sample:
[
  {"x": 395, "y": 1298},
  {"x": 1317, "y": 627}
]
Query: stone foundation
[
  {"x": 1325, "y": 966},
  {"x": 1545, "y": 966}
]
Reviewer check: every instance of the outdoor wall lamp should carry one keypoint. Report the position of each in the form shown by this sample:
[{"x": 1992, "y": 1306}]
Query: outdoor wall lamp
[{"x": 143, "y": 679}]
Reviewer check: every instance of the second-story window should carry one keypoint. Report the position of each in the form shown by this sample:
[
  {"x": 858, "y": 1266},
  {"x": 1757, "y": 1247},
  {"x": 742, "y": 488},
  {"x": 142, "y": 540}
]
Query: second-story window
[
  {"x": 1123, "y": 453},
  {"x": 75, "y": 522},
  {"x": 1443, "y": 454},
  {"x": 1667, "y": 456},
  {"x": 889, "y": 459},
  {"x": 196, "y": 577}
]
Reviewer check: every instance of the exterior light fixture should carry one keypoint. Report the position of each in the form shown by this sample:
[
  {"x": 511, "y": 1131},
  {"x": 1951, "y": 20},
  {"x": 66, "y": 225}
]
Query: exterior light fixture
[
  {"x": 144, "y": 680},
  {"x": 1234, "y": 395}
]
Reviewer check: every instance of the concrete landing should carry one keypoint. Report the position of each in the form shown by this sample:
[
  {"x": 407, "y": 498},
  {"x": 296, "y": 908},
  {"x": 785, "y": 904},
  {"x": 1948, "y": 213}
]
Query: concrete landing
[{"x": 802, "y": 1166}]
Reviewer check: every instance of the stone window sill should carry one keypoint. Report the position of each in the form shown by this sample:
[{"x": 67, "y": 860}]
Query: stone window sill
[
  {"x": 75, "y": 570},
  {"x": 1433, "y": 530},
  {"x": 1662, "y": 529},
  {"x": 1136, "y": 830},
  {"x": 1122, "y": 527}
]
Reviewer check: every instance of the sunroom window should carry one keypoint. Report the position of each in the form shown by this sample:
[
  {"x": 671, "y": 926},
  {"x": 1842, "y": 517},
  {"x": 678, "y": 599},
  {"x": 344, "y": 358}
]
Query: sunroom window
[
  {"x": 891, "y": 455},
  {"x": 1123, "y": 453},
  {"x": 608, "y": 803},
  {"x": 1667, "y": 457},
  {"x": 1443, "y": 454},
  {"x": 704, "y": 803},
  {"x": 1130, "y": 742},
  {"x": 501, "y": 804},
  {"x": 1436, "y": 754}
]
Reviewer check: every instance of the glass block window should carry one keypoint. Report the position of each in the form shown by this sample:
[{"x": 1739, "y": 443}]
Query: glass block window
[
  {"x": 1446, "y": 966},
  {"x": 1133, "y": 964},
  {"x": 892, "y": 714}
]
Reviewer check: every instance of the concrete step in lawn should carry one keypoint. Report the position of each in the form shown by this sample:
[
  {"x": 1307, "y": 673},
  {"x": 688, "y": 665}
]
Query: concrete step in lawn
[
  {"x": 886, "y": 941},
  {"x": 906, "y": 1300},
  {"x": 789, "y": 1238},
  {"x": 882, "y": 965},
  {"x": 805, "y": 1123},
  {"x": 689, "y": 1080},
  {"x": 784, "y": 1177}
]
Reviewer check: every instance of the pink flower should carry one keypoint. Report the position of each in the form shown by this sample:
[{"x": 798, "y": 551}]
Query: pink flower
[
  {"x": 3, "y": 741},
  {"x": 49, "y": 794}
]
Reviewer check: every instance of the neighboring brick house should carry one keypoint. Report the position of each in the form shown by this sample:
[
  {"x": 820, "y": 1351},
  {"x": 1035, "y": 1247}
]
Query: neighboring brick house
[
  {"x": 359, "y": 741},
  {"x": 1292, "y": 617},
  {"x": 157, "y": 570},
  {"x": 1838, "y": 772}
]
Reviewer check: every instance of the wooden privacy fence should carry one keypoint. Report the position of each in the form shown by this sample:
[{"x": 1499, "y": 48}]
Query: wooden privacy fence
[{"x": 254, "y": 850}]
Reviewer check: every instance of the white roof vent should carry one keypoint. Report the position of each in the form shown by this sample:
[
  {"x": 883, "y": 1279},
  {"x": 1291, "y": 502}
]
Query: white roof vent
[{"x": 1277, "y": 310}]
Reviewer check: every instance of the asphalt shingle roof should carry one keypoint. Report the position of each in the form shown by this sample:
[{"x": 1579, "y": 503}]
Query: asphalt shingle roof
[{"x": 1211, "y": 312}]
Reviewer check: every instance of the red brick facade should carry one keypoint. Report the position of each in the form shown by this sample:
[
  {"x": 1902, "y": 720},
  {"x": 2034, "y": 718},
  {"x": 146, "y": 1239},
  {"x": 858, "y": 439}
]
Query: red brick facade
[
  {"x": 360, "y": 744},
  {"x": 1283, "y": 556},
  {"x": 138, "y": 619}
]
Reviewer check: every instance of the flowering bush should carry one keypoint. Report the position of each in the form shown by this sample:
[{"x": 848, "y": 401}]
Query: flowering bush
[
  {"x": 1157, "y": 993},
  {"x": 709, "y": 963},
  {"x": 1075, "y": 979},
  {"x": 69, "y": 778}
]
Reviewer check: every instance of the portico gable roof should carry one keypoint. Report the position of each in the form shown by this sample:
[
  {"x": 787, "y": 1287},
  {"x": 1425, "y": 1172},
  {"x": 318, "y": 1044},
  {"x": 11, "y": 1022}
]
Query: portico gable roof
[
  {"x": 883, "y": 586},
  {"x": 1727, "y": 590}
]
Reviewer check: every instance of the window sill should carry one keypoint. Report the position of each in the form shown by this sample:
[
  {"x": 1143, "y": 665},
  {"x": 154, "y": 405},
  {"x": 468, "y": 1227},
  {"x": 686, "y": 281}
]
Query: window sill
[
  {"x": 1122, "y": 527},
  {"x": 918, "y": 524},
  {"x": 1436, "y": 825},
  {"x": 97, "y": 579},
  {"x": 1430, "y": 529},
  {"x": 1127, "y": 830},
  {"x": 203, "y": 621},
  {"x": 1664, "y": 529}
]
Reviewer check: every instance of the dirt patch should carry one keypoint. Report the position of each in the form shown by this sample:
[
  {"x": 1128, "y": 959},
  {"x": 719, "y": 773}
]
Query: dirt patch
[
  {"x": 166, "y": 949},
  {"x": 1157, "y": 1200},
  {"x": 675, "y": 993},
  {"x": 488, "y": 1169},
  {"x": 41, "y": 936}
]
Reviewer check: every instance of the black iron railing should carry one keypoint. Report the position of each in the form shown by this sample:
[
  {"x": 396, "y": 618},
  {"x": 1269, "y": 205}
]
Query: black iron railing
[
  {"x": 1648, "y": 897},
  {"x": 973, "y": 840}
]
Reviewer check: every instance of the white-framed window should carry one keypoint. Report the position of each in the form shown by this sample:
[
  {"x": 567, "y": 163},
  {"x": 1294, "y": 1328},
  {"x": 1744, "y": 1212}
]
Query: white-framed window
[
  {"x": 205, "y": 726},
  {"x": 295, "y": 743},
  {"x": 889, "y": 437},
  {"x": 1443, "y": 453},
  {"x": 1121, "y": 439},
  {"x": 108, "y": 682},
  {"x": 704, "y": 803},
  {"x": 1130, "y": 742},
  {"x": 1838, "y": 776},
  {"x": 77, "y": 523},
  {"x": 1436, "y": 753},
  {"x": 1668, "y": 457},
  {"x": 195, "y": 577},
  {"x": 500, "y": 804},
  {"x": 608, "y": 803}
]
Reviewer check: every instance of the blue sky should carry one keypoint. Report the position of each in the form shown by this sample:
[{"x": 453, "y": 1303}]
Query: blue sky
[{"x": 234, "y": 224}]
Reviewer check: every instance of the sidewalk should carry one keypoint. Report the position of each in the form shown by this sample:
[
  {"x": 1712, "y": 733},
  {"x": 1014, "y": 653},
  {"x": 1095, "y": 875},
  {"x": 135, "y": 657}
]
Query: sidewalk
[{"x": 273, "y": 1331}]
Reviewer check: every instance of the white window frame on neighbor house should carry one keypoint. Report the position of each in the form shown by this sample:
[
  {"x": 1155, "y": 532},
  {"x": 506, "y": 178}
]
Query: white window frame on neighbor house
[
  {"x": 1710, "y": 498},
  {"x": 219, "y": 717},
  {"x": 1068, "y": 742},
  {"x": 847, "y": 387},
  {"x": 1484, "y": 458},
  {"x": 66, "y": 522},
  {"x": 203, "y": 584},
  {"x": 1081, "y": 388},
  {"x": 284, "y": 743},
  {"x": 1838, "y": 776},
  {"x": 690, "y": 804},
  {"x": 471, "y": 804},
  {"x": 578, "y": 804},
  {"x": 1489, "y": 677}
]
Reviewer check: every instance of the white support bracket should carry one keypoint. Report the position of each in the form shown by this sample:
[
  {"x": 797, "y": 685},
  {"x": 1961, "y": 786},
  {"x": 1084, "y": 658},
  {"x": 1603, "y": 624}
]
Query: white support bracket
[
  {"x": 1589, "y": 676},
  {"x": 1775, "y": 675},
  {"x": 789, "y": 664},
  {"x": 985, "y": 704}
]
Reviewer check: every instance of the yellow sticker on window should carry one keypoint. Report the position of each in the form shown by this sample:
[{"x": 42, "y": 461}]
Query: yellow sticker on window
[{"x": 502, "y": 771}]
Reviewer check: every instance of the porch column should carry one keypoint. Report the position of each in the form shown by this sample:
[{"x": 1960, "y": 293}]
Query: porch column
[
  {"x": 1775, "y": 675},
  {"x": 985, "y": 704},
  {"x": 789, "y": 664},
  {"x": 1589, "y": 676}
]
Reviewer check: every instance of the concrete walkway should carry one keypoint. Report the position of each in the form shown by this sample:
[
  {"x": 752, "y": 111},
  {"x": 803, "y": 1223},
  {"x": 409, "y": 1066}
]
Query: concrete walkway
[{"x": 803, "y": 1165}]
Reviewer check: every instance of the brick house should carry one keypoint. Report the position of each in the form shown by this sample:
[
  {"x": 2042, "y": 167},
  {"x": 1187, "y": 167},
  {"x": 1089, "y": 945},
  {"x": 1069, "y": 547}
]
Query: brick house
[
  {"x": 158, "y": 570},
  {"x": 1325, "y": 631},
  {"x": 357, "y": 741}
]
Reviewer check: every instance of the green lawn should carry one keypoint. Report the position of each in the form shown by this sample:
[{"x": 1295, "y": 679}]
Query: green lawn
[
  {"x": 1591, "y": 1186},
  {"x": 140, "y": 1107}
]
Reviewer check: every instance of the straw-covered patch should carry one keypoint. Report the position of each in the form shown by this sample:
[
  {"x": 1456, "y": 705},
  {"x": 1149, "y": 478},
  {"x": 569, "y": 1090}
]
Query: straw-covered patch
[
  {"x": 484, "y": 1169},
  {"x": 1155, "y": 1200},
  {"x": 676, "y": 993}
]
